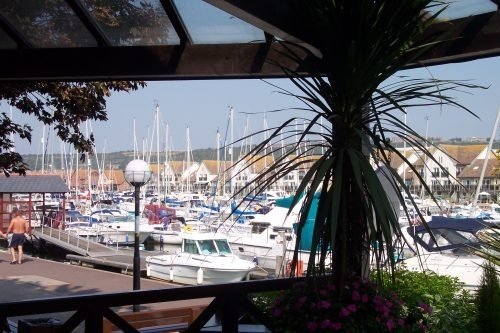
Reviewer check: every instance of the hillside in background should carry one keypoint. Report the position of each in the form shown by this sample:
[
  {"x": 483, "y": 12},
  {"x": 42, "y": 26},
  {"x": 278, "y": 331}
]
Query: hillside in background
[{"x": 118, "y": 160}]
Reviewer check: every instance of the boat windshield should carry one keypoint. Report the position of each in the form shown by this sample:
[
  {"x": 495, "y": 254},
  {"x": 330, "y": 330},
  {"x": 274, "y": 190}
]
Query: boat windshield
[
  {"x": 446, "y": 239},
  {"x": 223, "y": 246},
  {"x": 207, "y": 246}
]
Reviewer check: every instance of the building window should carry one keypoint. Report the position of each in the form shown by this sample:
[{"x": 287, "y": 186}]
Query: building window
[
  {"x": 445, "y": 172},
  {"x": 435, "y": 173}
]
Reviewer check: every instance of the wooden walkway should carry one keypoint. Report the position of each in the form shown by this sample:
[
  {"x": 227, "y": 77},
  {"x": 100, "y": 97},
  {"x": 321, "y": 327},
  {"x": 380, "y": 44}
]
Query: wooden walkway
[{"x": 90, "y": 253}]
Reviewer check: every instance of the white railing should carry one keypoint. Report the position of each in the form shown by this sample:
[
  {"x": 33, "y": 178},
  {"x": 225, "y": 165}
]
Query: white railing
[{"x": 82, "y": 242}]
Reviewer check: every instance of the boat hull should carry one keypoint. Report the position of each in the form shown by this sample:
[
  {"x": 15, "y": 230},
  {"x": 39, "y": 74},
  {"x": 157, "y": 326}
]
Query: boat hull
[
  {"x": 197, "y": 270},
  {"x": 165, "y": 237}
]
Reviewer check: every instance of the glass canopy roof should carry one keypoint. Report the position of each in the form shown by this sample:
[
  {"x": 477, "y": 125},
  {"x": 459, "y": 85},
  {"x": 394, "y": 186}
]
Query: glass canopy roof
[
  {"x": 59, "y": 23},
  {"x": 207, "y": 24},
  {"x": 464, "y": 8},
  {"x": 186, "y": 38}
]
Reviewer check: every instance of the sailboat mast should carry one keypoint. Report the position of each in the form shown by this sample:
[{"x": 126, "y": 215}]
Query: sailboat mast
[
  {"x": 77, "y": 180},
  {"x": 136, "y": 148},
  {"x": 404, "y": 151},
  {"x": 485, "y": 163},
  {"x": 426, "y": 172},
  {"x": 231, "y": 116},
  {"x": 218, "y": 162},
  {"x": 158, "y": 149},
  {"x": 188, "y": 160},
  {"x": 43, "y": 149},
  {"x": 166, "y": 166}
]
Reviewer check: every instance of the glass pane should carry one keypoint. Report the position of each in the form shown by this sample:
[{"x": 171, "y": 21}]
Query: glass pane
[
  {"x": 223, "y": 246},
  {"x": 464, "y": 8},
  {"x": 46, "y": 24},
  {"x": 129, "y": 23},
  {"x": 190, "y": 246},
  {"x": 207, "y": 247},
  {"x": 6, "y": 42},
  {"x": 207, "y": 24}
]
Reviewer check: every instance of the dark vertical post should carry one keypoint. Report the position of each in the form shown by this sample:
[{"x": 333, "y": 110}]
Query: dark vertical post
[{"x": 137, "y": 258}]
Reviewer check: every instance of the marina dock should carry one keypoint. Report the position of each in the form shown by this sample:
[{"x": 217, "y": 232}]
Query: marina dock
[{"x": 89, "y": 253}]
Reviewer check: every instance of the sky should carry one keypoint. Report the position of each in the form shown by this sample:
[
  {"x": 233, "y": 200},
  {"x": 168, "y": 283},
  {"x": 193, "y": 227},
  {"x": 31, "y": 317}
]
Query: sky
[{"x": 193, "y": 111}]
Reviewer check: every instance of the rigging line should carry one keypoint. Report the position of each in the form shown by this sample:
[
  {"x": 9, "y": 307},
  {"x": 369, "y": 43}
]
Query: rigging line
[{"x": 94, "y": 149}]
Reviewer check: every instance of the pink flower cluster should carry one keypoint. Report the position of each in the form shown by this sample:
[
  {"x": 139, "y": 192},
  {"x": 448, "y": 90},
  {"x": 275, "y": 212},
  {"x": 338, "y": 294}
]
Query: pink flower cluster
[{"x": 359, "y": 306}]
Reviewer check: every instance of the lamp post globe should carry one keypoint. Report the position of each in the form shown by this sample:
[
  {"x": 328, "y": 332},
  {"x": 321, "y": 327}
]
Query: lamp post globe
[{"x": 137, "y": 173}]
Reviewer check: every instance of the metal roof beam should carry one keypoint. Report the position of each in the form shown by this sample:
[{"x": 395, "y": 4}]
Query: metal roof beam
[
  {"x": 272, "y": 16},
  {"x": 88, "y": 21},
  {"x": 141, "y": 63},
  {"x": 472, "y": 38},
  {"x": 262, "y": 54},
  {"x": 173, "y": 15},
  {"x": 14, "y": 33}
]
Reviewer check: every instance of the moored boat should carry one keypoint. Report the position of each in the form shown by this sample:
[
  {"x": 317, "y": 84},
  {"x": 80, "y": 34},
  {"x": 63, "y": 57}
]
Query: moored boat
[
  {"x": 450, "y": 249},
  {"x": 121, "y": 231},
  {"x": 171, "y": 232},
  {"x": 204, "y": 258}
]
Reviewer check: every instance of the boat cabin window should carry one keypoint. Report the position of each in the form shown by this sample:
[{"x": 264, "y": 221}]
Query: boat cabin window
[
  {"x": 223, "y": 246},
  {"x": 258, "y": 228},
  {"x": 190, "y": 246},
  {"x": 207, "y": 246}
]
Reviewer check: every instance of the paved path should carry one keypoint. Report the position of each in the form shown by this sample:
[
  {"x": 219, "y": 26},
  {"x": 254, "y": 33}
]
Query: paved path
[{"x": 40, "y": 278}]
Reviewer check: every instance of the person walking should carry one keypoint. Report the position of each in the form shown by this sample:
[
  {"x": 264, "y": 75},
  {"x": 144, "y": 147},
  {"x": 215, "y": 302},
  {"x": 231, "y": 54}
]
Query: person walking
[{"x": 18, "y": 226}]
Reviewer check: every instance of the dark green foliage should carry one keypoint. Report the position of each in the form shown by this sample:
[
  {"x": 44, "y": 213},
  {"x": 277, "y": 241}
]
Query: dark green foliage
[
  {"x": 63, "y": 105},
  {"x": 453, "y": 308},
  {"x": 488, "y": 300}
]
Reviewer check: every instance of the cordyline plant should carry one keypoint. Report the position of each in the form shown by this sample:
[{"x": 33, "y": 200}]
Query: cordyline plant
[{"x": 362, "y": 43}]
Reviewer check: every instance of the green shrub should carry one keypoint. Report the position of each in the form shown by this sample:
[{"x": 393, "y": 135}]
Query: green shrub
[
  {"x": 453, "y": 308},
  {"x": 488, "y": 300}
]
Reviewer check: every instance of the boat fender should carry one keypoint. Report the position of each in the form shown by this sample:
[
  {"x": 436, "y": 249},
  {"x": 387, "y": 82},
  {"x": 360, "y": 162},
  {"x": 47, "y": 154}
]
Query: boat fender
[
  {"x": 199, "y": 276},
  {"x": 171, "y": 274},
  {"x": 188, "y": 228}
]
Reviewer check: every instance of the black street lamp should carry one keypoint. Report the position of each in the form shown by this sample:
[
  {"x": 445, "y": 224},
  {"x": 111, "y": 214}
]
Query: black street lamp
[{"x": 137, "y": 173}]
